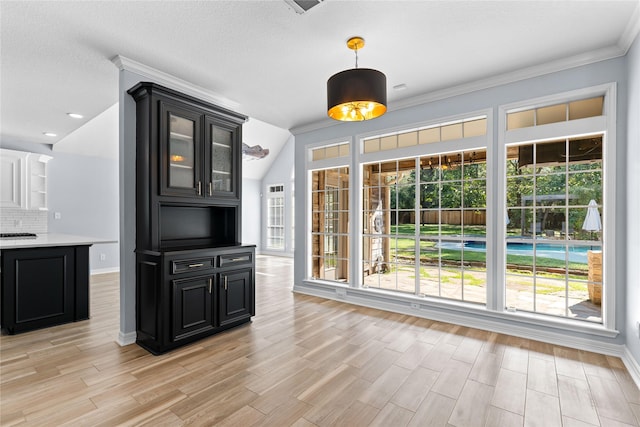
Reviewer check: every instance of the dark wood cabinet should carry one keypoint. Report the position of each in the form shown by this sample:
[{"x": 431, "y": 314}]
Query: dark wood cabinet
[
  {"x": 43, "y": 287},
  {"x": 200, "y": 156},
  {"x": 187, "y": 295},
  {"x": 188, "y": 215},
  {"x": 192, "y": 306},
  {"x": 236, "y": 296}
]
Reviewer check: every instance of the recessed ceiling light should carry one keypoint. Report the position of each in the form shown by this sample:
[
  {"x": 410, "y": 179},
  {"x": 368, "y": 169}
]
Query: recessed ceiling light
[
  {"x": 51, "y": 134},
  {"x": 75, "y": 115}
]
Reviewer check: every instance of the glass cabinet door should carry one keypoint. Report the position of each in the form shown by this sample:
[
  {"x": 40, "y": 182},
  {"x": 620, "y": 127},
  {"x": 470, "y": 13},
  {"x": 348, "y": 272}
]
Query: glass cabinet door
[
  {"x": 222, "y": 159},
  {"x": 181, "y": 157},
  {"x": 181, "y": 152}
]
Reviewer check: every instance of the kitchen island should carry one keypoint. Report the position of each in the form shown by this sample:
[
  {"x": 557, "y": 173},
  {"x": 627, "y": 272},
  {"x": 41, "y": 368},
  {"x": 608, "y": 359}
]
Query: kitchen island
[{"x": 45, "y": 280}]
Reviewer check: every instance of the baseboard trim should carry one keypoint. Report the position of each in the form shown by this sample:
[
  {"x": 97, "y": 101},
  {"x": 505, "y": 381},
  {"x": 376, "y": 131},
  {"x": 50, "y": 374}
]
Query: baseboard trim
[
  {"x": 125, "y": 339},
  {"x": 458, "y": 318},
  {"x": 104, "y": 270},
  {"x": 632, "y": 365}
]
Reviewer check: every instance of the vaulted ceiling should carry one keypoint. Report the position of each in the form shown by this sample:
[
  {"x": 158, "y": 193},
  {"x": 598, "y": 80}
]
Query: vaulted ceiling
[{"x": 273, "y": 63}]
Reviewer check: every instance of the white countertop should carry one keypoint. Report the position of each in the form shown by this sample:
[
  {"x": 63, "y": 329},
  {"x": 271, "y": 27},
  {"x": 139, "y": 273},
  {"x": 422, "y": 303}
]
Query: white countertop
[{"x": 52, "y": 239}]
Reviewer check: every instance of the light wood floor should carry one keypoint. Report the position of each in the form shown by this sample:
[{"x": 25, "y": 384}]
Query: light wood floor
[{"x": 306, "y": 361}]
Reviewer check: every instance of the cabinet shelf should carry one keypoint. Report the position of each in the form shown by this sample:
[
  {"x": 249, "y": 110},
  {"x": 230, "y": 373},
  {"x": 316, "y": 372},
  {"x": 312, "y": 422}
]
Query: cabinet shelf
[
  {"x": 180, "y": 137},
  {"x": 24, "y": 184},
  {"x": 173, "y": 165},
  {"x": 217, "y": 144}
]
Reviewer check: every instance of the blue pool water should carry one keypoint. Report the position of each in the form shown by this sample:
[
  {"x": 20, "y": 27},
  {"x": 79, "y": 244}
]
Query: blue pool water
[{"x": 576, "y": 253}]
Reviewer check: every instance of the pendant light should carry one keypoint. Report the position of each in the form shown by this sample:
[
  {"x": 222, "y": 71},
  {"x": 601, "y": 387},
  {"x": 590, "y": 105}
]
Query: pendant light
[{"x": 356, "y": 94}]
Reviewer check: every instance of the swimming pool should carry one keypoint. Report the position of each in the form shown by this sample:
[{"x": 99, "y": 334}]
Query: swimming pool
[{"x": 543, "y": 250}]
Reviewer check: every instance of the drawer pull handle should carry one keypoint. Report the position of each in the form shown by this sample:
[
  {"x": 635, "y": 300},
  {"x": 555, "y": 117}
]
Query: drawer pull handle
[
  {"x": 210, "y": 189},
  {"x": 238, "y": 259},
  {"x": 226, "y": 283},
  {"x": 196, "y": 265},
  {"x": 210, "y": 284}
]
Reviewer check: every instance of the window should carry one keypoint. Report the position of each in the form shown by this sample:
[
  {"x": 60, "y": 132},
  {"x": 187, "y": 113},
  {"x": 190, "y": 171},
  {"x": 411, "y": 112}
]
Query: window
[
  {"x": 424, "y": 225},
  {"x": 330, "y": 151},
  {"x": 275, "y": 217},
  {"x": 559, "y": 189},
  {"x": 330, "y": 220},
  {"x": 519, "y": 227},
  {"x": 554, "y": 194},
  {"x": 556, "y": 113},
  {"x": 293, "y": 214},
  {"x": 459, "y": 129}
]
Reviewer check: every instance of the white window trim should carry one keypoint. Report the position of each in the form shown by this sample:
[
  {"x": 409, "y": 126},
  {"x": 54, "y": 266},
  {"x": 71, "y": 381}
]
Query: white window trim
[
  {"x": 521, "y": 324},
  {"x": 273, "y": 195},
  {"x": 310, "y": 166},
  {"x": 463, "y": 144},
  {"x": 602, "y": 124}
]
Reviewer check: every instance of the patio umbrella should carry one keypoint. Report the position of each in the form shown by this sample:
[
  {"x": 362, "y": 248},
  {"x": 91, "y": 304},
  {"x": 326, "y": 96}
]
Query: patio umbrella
[{"x": 592, "y": 220}]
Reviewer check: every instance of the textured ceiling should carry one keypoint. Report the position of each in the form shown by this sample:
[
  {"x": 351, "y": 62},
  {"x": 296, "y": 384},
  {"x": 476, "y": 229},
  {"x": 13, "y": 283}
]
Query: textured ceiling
[{"x": 274, "y": 63}]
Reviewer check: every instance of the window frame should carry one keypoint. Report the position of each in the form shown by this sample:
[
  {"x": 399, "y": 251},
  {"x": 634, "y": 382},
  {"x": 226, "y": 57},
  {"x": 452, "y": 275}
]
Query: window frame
[
  {"x": 495, "y": 140},
  {"x": 323, "y": 164},
  {"x": 604, "y": 124},
  {"x": 270, "y": 196},
  {"x": 360, "y": 158}
]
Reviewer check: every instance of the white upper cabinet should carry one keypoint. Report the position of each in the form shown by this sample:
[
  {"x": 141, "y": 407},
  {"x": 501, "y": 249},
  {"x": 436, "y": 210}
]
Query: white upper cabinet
[{"x": 23, "y": 180}]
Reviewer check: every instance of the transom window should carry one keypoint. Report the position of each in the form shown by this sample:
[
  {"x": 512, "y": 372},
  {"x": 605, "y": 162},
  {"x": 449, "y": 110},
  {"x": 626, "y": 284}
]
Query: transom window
[
  {"x": 330, "y": 151},
  {"x": 574, "y": 110},
  {"x": 426, "y": 135}
]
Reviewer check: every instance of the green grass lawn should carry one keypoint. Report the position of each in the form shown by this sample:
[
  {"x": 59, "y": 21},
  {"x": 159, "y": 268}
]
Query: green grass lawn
[{"x": 430, "y": 254}]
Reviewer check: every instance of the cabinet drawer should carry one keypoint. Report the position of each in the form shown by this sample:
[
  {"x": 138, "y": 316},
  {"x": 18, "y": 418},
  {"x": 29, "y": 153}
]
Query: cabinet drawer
[
  {"x": 241, "y": 258},
  {"x": 195, "y": 264}
]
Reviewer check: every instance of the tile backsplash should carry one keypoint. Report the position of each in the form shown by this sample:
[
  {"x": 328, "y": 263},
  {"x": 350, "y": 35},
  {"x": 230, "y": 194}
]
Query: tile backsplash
[{"x": 13, "y": 220}]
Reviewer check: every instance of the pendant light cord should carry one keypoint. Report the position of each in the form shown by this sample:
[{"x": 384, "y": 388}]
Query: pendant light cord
[{"x": 356, "y": 51}]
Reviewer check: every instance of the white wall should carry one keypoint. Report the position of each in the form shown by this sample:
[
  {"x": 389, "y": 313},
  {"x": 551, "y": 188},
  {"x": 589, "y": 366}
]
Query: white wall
[
  {"x": 600, "y": 73},
  {"x": 251, "y": 213},
  {"x": 127, "y": 192},
  {"x": 280, "y": 172},
  {"x": 84, "y": 190},
  {"x": 633, "y": 206}
]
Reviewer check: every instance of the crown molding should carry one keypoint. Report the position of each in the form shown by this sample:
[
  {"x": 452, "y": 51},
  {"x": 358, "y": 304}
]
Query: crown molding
[
  {"x": 514, "y": 76},
  {"x": 631, "y": 31},
  {"x": 124, "y": 63},
  {"x": 562, "y": 64}
]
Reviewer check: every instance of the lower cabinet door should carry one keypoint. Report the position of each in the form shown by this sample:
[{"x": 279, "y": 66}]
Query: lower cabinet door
[
  {"x": 37, "y": 288},
  {"x": 236, "y": 296},
  {"x": 192, "y": 306}
]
